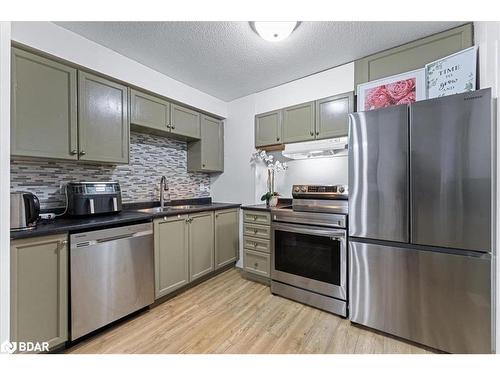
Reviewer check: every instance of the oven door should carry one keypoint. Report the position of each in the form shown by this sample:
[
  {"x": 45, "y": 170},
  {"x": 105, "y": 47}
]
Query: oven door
[{"x": 310, "y": 257}]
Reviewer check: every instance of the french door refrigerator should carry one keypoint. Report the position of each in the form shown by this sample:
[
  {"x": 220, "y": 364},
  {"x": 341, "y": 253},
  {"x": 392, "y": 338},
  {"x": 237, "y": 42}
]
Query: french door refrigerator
[{"x": 420, "y": 221}]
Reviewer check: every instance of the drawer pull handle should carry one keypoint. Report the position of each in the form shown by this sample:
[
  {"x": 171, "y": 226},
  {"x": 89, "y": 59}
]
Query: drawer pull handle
[
  {"x": 255, "y": 244},
  {"x": 256, "y": 265},
  {"x": 255, "y": 231},
  {"x": 254, "y": 218}
]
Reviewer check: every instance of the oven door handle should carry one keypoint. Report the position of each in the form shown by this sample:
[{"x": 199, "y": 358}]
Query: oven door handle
[{"x": 316, "y": 231}]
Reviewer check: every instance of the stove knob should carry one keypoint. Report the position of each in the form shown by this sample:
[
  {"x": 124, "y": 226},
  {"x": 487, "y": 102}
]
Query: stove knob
[
  {"x": 296, "y": 189},
  {"x": 303, "y": 189},
  {"x": 341, "y": 189}
]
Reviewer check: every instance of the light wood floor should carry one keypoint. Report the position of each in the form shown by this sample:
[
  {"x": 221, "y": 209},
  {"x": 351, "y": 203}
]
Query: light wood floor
[{"x": 230, "y": 314}]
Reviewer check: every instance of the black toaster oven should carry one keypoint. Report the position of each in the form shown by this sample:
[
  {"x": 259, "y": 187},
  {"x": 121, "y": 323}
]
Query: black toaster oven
[{"x": 93, "y": 198}]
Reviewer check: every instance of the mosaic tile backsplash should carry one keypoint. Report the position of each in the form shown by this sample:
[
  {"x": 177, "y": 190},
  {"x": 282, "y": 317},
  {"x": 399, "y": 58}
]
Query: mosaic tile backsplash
[{"x": 150, "y": 158}]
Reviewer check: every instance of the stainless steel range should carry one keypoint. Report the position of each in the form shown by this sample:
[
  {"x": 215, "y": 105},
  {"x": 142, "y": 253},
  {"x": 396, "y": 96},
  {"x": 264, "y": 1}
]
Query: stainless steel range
[{"x": 309, "y": 251}]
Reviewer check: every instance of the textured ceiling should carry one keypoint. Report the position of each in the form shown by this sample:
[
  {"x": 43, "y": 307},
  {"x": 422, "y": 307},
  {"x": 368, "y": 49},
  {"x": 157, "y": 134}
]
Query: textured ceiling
[{"x": 228, "y": 60}]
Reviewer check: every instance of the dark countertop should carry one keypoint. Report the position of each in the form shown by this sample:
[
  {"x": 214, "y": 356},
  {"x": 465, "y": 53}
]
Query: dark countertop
[
  {"x": 129, "y": 214},
  {"x": 282, "y": 202}
]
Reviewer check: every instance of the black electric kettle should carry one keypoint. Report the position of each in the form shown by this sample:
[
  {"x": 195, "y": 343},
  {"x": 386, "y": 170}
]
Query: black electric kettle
[{"x": 24, "y": 210}]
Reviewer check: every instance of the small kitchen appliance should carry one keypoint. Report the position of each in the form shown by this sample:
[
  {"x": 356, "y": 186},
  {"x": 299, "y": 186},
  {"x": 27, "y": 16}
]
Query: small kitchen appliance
[
  {"x": 309, "y": 247},
  {"x": 92, "y": 198},
  {"x": 24, "y": 210}
]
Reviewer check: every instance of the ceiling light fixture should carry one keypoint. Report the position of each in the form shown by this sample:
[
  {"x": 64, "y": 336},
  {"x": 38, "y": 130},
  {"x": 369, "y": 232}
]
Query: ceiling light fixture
[{"x": 274, "y": 31}]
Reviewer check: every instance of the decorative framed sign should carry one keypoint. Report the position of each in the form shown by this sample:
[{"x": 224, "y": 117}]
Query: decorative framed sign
[
  {"x": 401, "y": 88},
  {"x": 452, "y": 74}
]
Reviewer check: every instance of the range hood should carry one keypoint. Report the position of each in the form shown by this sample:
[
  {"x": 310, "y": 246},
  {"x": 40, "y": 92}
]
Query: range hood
[{"x": 325, "y": 148}]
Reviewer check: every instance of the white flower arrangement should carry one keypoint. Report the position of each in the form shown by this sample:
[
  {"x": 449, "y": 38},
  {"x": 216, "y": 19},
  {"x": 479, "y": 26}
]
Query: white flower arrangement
[{"x": 273, "y": 166}]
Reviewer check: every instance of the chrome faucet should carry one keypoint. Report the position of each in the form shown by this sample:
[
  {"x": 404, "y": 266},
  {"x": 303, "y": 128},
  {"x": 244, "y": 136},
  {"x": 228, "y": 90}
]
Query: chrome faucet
[{"x": 163, "y": 188}]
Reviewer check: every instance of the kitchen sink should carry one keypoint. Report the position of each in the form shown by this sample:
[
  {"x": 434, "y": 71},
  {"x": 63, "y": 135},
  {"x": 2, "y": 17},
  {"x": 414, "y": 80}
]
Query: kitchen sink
[
  {"x": 184, "y": 207},
  {"x": 154, "y": 210}
]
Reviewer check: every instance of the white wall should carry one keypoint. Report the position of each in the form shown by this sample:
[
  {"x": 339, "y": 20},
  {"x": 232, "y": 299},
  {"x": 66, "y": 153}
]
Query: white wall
[
  {"x": 239, "y": 133},
  {"x": 243, "y": 182},
  {"x": 65, "y": 44},
  {"x": 487, "y": 37},
  {"x": 4, "y": 180}
]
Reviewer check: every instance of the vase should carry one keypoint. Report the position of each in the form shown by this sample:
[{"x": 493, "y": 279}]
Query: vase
[{"x": 273, "y": 202}]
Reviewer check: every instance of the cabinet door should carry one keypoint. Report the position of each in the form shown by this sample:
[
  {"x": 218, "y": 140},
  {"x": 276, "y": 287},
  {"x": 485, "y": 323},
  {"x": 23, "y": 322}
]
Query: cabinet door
[
  {"x": 298, "y": 123},
  {"x": 268, "y": 129},
  {"x": 332, "y": 118},
  {"x": 207, "y": 154},
  {"x": 171, "y": 254},
  {"x": 201, "y": 244},
  {"x": 103, "y": 127},
  {"x": 39, "y": 290},
  {"x": 226, "y": 237},
  {"x": 43, "y": 107},
  {"x": 149, "y": 111},
  {"x": 185, "y": 122},
  {"x": 413, "y": 55},
  {"x": 212, "y": 141}
]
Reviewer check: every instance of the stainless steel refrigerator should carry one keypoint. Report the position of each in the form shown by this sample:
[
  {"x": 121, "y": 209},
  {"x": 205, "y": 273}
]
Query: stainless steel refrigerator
[{"x": 420, "y": 221}]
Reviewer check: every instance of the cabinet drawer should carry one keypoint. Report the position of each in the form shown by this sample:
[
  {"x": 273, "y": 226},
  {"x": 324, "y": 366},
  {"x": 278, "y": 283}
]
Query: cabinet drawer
[
  {"x": 256, "y": 230},
  {"x": 256, "y": 262},
  {"x": 257, "y": 244},
  {"x": 257, "y": 217}
]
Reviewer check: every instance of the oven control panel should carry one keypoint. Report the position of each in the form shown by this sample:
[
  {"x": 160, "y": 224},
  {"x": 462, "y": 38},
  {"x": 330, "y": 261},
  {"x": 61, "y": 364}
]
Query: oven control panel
[{"x": 320, "y": 191}]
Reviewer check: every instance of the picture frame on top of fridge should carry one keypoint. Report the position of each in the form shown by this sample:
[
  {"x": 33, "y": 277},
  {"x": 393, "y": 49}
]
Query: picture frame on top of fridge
[
  {"x": 403, "y": 88},
  {"x": 453, "y": 74}
]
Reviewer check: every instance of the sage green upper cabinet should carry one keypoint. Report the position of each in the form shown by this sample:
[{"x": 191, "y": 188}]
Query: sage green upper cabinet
[
  {"x": 201, "y": 244},
  {"x": 103, "y": 129},
  {"x": 298, "y": 123},
  {"x": 268, "y": 129},
  {"x": 39, "y": 290},
  {"x": 149, "y": 111},
  {"x": 43, "y": 107},
  {"x": 171, "y": 254},
  {"x": 184, "y": 122},
  {"x": 332, "y": 118},
  {"x": 226, "y": 236},
  {"x": 413, "y": 55},
  {"x": 207, "y": 154}
]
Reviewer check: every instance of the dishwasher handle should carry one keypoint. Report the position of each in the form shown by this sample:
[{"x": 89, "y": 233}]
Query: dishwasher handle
[{"x": 109, "y": 235}]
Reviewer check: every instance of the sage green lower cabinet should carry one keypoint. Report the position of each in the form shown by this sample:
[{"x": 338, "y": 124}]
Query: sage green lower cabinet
[
  {"x": 171, "y": 243},
  {"x": 149, "y": 111},
  {"x": 184, "y": 122},
  {"x": 268, "y": 129},
  {"x": 332, "y": 119},
  {"x": 298, "y": 123},
  {"x": 103, "y": 124},
  {"x": 257, "y": 243},
  {"x": 207, "y": 154},
  {"x": 201, "y": 244},
  {"x": 226, "y": 236},
  {"x": 39, "y": 290},
  {"x": 43, "y": 107}
]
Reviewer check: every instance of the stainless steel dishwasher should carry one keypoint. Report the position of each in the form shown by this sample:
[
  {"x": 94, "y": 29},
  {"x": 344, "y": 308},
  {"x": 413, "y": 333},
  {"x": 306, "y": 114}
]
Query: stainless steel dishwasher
[{"x": 112, "y": 275}]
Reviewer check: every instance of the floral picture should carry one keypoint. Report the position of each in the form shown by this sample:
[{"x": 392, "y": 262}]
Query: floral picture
[
  {"x": 403, "y": 88},
  {"x": 400, "y": 92}
]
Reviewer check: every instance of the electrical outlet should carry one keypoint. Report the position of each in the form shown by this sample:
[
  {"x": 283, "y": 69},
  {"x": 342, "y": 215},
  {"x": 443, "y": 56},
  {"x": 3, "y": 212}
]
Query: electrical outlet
[{"x": 204, "y": 188}]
